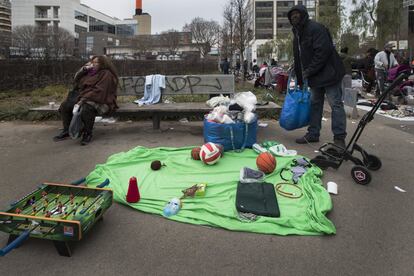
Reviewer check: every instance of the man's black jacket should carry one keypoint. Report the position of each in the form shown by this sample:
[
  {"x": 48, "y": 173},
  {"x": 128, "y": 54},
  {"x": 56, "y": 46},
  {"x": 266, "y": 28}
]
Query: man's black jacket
[{"x": 315, "y": 55}]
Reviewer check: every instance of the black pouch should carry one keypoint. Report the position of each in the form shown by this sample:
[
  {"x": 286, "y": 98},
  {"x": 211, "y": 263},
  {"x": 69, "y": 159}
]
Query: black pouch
[{"x": 257, "y": 198}]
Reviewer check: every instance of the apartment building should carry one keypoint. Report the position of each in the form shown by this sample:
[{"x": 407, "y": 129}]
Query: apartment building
[{"x": 5, "y": 27}]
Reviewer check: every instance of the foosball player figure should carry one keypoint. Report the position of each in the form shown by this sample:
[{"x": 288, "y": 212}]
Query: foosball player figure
[
  {"x": 60, "y": 207},
  {"x": 57, "y": 197},
  {"x": 34, "y": 210},
  {"x": 17, "y": 211},
  {"x": 44, "y": 194},
  {"x": 71, "y": 198},
  {"x": 48, "y": 214}
]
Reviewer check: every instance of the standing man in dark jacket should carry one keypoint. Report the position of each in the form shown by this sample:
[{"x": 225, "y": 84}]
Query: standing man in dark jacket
[{"x": 317, "y": 61}]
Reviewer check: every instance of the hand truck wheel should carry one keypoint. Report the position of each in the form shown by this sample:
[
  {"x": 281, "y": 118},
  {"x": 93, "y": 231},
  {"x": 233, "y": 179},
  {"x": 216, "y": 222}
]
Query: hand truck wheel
[
  {"x": 373, "y": 163},
  {"x": 361, "y": 175}
]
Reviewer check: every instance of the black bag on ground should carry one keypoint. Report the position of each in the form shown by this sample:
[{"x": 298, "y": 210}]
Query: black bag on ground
[{"x": 257, "y": 198}]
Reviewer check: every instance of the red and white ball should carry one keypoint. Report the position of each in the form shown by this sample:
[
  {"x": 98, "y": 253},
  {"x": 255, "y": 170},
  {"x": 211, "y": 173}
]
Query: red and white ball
[{"x": 210, "y": 154}]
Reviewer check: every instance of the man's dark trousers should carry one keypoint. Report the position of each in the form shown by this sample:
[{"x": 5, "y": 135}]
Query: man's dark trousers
[{"x": 334, "y": 95}]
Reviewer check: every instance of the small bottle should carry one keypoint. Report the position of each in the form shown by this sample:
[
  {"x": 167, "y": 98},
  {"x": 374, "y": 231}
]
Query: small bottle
[{"x": 76, "y": 108}]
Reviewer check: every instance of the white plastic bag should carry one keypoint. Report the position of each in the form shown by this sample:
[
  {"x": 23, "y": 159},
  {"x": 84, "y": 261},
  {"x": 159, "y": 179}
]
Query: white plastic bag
[{"x": 247, "y": 100}]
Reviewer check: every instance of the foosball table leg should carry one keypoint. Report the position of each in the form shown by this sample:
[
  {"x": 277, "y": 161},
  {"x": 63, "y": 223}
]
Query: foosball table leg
[
  {"x": 11, "y": 239},
  {"x": 63, "y": 248}
]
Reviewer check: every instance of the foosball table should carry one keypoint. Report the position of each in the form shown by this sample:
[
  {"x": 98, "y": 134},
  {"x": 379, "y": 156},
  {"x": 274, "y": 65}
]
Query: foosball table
[{"x": 59, "y": 212}]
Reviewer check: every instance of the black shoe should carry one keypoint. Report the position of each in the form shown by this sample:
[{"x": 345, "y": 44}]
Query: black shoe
[
  {"x": 86, "y": 139},
  {"x": 307, "y": 139},
  {"x": 340, "y": 143},
  {"x": 62, "y": 136}
]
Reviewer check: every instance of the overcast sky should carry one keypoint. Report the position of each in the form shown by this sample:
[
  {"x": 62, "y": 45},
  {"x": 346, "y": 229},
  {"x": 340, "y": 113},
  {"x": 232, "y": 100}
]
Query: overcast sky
[{"x": 166, "y": 14}]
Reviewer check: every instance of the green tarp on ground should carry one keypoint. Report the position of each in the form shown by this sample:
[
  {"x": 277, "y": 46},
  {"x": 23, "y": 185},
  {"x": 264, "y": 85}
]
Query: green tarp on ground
[{"x": 304, "y": 216}]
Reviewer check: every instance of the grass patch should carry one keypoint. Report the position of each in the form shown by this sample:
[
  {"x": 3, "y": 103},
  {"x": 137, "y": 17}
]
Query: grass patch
[{"x": 15, "y": 104}]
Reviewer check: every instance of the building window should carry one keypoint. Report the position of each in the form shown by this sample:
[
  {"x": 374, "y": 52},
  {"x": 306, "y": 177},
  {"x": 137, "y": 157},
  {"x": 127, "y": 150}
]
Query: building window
[
  {"x": 89, "y": 44},
  {"x": 126, "y": 29},
  {"x": 80, "y": 16},
  {"x": 96, "y": 25},
  {"x": 80, "y": 29},
  {"x": 288, "y": 4},
  {"x": 264, "y": 20}
]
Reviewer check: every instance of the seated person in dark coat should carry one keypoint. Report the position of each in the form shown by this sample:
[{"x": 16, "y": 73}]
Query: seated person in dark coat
[{"x": 95, "y": 89}]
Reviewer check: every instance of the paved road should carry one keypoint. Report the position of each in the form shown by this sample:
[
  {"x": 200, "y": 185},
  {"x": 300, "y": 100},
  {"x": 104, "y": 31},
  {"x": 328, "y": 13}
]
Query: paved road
[{"x": 374, "y": 223}]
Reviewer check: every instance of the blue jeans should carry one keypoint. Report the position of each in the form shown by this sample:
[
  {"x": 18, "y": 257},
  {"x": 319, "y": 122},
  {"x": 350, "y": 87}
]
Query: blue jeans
[{"x": 334, "y": 95}]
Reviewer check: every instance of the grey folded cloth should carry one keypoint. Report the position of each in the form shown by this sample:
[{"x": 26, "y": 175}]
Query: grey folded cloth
[{"x": 248, "y": 175}]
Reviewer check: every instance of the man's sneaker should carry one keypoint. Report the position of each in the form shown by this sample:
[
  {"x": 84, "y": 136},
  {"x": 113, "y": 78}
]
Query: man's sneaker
[
  {"x": 340, "y": 143},
  {"x": 86, "y": 139},
  {"x": 62, "y": 136},
  {"x": 307, "y": 139}
]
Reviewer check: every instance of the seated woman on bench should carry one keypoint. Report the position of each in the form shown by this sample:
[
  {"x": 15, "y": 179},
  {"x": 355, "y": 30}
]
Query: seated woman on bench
[{"x": 95, "y": 87}]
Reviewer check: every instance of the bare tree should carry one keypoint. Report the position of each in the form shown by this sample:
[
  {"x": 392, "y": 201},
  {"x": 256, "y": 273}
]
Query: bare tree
[
  {"x": 228, "y": 32},
  {"x": 171, "y": 40},
  {"x": 48, "y": 42},
  {"x": 60, "y": 43},
  {"x": 24, "y": 38},
  {"x": 242, "y": 32},
  {"x": 204, "y": 33},
  {"x": 143, "y": 44}
]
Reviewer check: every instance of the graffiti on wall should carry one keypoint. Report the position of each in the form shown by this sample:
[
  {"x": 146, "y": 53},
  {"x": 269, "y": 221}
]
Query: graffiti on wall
[{"x": 191, "y": 84}]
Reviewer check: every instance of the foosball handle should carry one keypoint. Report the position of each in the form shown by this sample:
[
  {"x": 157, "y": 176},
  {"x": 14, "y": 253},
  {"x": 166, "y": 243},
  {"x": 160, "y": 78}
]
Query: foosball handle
[
  {"x": 103, "y": 184},
  {"x": 16, "y": 243},
  {"x": 78, "y": 182}
]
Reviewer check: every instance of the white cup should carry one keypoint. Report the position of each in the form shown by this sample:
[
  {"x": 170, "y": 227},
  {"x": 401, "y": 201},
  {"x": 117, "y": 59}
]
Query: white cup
[
  {"x": 332, "y": 188},
  {"x": 51, "y": 104}
]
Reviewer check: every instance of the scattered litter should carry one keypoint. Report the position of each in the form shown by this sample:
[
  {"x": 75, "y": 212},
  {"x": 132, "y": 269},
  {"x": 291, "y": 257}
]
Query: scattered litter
[
  {"x": 399, "y": 189},
  {"x": 353, "y": 122},
  {"x": 324, "y": 119},
  {"x": 373, "y": 145},
  {"x": 262, "y": 124},
  {"x": 129, "y": 121},
  {"x": 403, "y": 126},
  {"x": 167, "y": 101},
  {"x": 171, "y": 128},
  {"x": 332, "y": 188},
  {"x": 183, "y": 120},
  {"x": 316, "y": 151},
  {"x": 99, "y": 119}
]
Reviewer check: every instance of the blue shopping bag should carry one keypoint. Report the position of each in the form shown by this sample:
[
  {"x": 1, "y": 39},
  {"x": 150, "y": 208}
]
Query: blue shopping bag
[
  {"x": 236, "y": 136},
  {"x": 296, "y": 108}
]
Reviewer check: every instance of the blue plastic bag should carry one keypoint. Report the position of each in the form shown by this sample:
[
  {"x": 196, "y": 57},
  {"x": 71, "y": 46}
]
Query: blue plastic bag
[
  {"x": 296, "y": 108},
  {"x": 235, "y": 136}
]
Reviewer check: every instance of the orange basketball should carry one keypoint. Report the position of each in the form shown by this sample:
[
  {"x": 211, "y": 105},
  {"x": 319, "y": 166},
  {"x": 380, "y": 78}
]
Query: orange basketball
[
  {"x": 195, "y": 153},
  {"x": 266, "y": 162}
]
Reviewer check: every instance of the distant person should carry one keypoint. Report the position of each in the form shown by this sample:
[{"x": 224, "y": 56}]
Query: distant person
[
  {"x": 273, "y": 62},
  {"x": 255, "y": 67},
  {"x": 225, "y": 66},
  {"x": 238, "y": 66},
  {"x": 384, "y": 61},
  {"x": 368, "y": 69},
  {"x": 347, "y": 60},
  {"x": 317, "y": 61},
  {"x": 95, "y": 88},
  {"x": 245, "y": 67}
]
